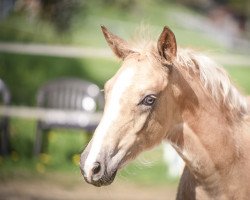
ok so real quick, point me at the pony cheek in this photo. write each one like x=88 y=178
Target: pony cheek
x=131 y=142
x=154 y=133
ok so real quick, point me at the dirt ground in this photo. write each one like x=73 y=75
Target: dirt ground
x=71 y=189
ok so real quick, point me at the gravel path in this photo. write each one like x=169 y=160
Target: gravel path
x=71 y=189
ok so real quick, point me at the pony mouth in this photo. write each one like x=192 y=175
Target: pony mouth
x=107 y=171
x=105 y=180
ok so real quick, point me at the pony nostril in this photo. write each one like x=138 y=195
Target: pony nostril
x=96 y=168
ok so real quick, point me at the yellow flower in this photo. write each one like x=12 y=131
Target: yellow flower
x=51 y=136
x=40 y=168
x=45 y=158
x=76 y=159
x=14 y=156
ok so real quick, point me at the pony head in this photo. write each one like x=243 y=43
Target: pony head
x=136 y=116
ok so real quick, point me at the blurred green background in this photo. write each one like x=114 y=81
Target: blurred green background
x=77 y=23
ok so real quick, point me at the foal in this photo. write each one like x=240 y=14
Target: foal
x=164 y=93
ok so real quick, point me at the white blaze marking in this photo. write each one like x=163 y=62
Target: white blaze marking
x=112 y=110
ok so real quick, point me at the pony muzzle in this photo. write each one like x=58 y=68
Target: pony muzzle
x=98 y=172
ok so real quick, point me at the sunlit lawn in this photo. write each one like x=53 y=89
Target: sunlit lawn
x=241 y=77
x=62 y=155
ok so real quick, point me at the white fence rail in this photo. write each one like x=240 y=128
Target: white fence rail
x=51 y=115
x=55 y=50
x=81 y=52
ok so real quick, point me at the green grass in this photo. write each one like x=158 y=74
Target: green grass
x=148 y=169
x=18 y=27
x=241 y=76
x=62 y=156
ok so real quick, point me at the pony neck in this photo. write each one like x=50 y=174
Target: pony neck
x=204 y=135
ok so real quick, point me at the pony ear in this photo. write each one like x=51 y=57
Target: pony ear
x=119 y=46
x=167 y=44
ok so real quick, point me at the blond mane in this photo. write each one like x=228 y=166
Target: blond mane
x=213 y=77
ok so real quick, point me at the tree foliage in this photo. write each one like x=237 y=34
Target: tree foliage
x=61 y=12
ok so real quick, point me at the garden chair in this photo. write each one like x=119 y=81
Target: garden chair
x=68 y=94
x=4 y=121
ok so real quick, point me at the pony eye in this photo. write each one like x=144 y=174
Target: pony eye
x=149 y=100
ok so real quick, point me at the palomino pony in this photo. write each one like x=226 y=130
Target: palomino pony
x=164 y=93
